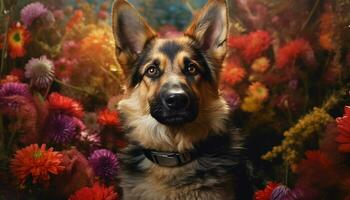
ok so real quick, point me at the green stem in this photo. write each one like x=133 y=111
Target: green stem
x=4 y=49
x=312 y=12
x=74 y=87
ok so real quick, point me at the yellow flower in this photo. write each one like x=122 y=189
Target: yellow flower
x=251 y=104
x=258 y=91
x=261 y=64
x=296 y=136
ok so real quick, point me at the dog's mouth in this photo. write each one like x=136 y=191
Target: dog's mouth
x=173 y=117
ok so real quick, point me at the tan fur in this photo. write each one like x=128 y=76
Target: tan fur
x=149 y=133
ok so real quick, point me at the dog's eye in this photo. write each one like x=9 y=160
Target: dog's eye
x=192 y=69
x=152 y=71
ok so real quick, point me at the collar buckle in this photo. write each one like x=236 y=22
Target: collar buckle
x=168 y=159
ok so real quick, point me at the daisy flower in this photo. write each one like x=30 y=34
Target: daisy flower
x=96 y=192
x=41 y=71
x=258 y=91
x=104 y=163
x=18 y=38
x=66 y=105
x=37 y=163
x=261 y=64
x=31 y=12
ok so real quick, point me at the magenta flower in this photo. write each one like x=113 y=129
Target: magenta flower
x=61 y=129
x=10 y=89
x=104 y=163
x=31 y=12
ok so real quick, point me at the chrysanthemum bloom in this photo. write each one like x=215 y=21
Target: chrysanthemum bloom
x=265 y=194
x=299 y=48
x=258 y=91
x=108 y=118
x=9 y=79
x=104 y=163
x=64 y=68
x=343 y=125
x=232 y=76
x=40 y=71
x=261 y=64
x=96 y=192
x=14 y=88
x=251 y=46
x=251 y=104
x=61 y=129
x=18 y=37
x=63 y=104
x=31 y=12
x=36 y=163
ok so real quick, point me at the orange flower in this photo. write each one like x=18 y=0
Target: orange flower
x=107 y=117
x=327 y=31
x=36 y=162
x=96 y=192
x=265 y=194
x=65 y=104
x=18 y=37
x=258 y=91
x=77 y=17
x=233 y=75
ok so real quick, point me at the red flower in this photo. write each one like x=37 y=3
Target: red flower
x=300 y=48
x=232 y=73
x=58 y=102
x=265 y=194
x=343 y=124
x=18 y=37
x=96 y=192
x=108 y=118
x=36 y=162
x=251 y=46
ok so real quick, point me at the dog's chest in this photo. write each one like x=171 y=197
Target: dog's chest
x=177 y=184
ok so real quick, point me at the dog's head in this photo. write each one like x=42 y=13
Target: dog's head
x=173 y=82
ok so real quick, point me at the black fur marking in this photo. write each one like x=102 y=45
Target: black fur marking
x=220 y=157
x=142 y=59
x=199 y=56
x=170 y=49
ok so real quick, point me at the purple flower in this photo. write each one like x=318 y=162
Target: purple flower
x=232 y=99
x=61 y=129
x=104 y=163
x=31 y=12
x=280 y=193
x=10 y=89
x=41 y=71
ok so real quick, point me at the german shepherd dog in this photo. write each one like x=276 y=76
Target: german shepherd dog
x=182 y=145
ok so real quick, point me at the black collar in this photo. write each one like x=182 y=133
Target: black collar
x=169 y=159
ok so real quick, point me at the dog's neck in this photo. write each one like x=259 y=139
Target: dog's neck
x=209 y=146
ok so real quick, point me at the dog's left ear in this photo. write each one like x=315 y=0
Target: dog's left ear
x=210 y=27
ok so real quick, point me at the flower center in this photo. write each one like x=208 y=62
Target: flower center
x=37 y=154
x=17 y=37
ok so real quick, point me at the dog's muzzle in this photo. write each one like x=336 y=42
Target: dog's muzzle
x=175 y=105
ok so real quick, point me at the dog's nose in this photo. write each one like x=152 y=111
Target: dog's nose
x=176 y=101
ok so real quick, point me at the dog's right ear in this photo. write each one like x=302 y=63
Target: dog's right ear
x=131 y=33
